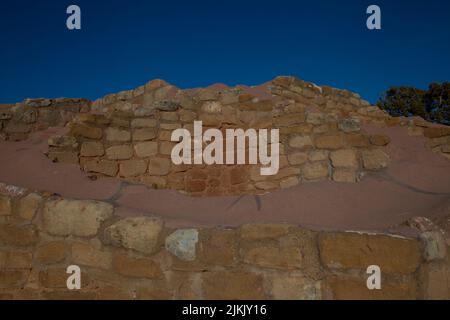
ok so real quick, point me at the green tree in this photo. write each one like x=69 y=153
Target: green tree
x=432 y=104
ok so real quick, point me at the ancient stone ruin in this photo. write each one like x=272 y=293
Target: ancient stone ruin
x=92 y=183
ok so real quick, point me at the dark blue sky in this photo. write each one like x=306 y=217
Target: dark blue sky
x=124 y=44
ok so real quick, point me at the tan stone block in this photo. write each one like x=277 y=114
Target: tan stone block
x=251 y=232
x=217 y=247
x=166 y=147
x=351 y=250
x=435 y=279
x=106 y=167
x=122 y=152
x=297 y=158
x=329 y=141
x=144 y=134
x=344 y=158
x=74 y=217
x=289 y=182
x=117 y=135
x=132 y=168
x=300 y=142
x=232 y=286
x=380 y=140
x=18 y=236
x=144 y=123
x=15 y=260
x=345 y=175
x=92 y=149
x=83 y=130
x=318 y=155
x=146 y=149
x=315 y=170
x=293 y=287
x=87 y=255
x=159 y=166
x=50 y=252
x=136 y=267
x=5 y=205
x=374 y=159
x=356 y=140
x=137 y=233
x=28 y=205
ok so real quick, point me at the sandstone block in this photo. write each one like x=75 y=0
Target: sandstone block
x=137 y=233
x=374 y=159
x=331 y=142
x=217 y=247
x=87 y=255
x=74 y=217
x=351 y=250
x=144 y=123
x=380 y=140
x=28 y=205
x=344 y=158
x=136 y=267
x=292 y=287
x=232 y=285
x=144 y=134
x=51 y=252
x=5 y=205
x=146 y=149
x=18 y=236
x=315 y=170
x=92 y=149
x=297 y=158
x=159 y=166
x=350 y=125
x=122 y=152
x=117 y=135
x=300 y=142
x=106 y=167
x=345 y=175
x=86 y=131
x=132 y=168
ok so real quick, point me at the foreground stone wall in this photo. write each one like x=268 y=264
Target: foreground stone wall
x=141 y=258
x=19 y=120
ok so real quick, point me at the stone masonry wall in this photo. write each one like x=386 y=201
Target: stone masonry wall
x=141 y=258
x=19 y=120
x=321 y=135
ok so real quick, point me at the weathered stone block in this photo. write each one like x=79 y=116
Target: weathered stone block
x=132 y=168
x=5 y=205
x=106 y=167
x=217 y=247
x=117 y=135
x=15 y=260
x=345 y=175
x=159 y=166
x=146 y=149
x=92 y=149
x=344 y=158
x=74 y=217
x=137 y=233
x=226 y=285
x=83 y=130
x=300 y=142
x=315 y=170
x=329 y=141
x=374 y=159
x=28 y=205
x=144 y=123
x=50 y=252
x=88 y=255
x=351 y=250
x=380 y=140
x=136 y=267
x=297 y=158
x=293 y=287
x=144 y=134
x=122 y=152
x=18 y=236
